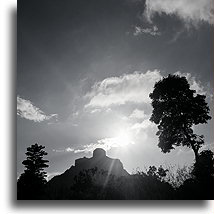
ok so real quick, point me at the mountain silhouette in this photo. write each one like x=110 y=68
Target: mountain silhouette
x=61 y=184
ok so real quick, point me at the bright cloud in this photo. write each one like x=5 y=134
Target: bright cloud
x=143 y=125
x=133 y=88
x=27 y=110
x=132 y=134
x=123 y=138
x=195 y=84
x=95 y=111
x=69 y=149
x=138 y=114
x=106 y=144
x=190 y=11
x=151 y=31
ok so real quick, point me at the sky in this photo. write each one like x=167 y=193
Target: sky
x=86 y=68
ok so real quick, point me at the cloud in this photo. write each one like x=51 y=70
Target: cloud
x=195 y=84
x=151 y=31
x=106 y=144
x=138 y=114
x=134 y=88
x=189 y=11
x=69 y=149
x=143 y=125
x=95 y=111
x=27 y=110
x=123 y=137
x=132 y=134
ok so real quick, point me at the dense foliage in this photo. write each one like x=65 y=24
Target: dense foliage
x=32 y=182
x=176 y=108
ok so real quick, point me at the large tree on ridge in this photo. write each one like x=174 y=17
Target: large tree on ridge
x=176 y=108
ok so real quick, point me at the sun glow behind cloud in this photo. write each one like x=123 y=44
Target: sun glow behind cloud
x=127 y=134
x=122 y=139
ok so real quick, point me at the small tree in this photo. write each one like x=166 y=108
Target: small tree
x=31 y=182
x=176 y=108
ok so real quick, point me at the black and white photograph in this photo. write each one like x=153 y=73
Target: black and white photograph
x=115 y=100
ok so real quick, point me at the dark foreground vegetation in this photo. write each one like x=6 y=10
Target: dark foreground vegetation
x=196 y=182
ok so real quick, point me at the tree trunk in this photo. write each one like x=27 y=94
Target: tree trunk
x=194 y=147
x=195 y=150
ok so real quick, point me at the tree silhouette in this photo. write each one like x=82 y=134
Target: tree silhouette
x=176 y=108
x=203 y=169
x=31 y=183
